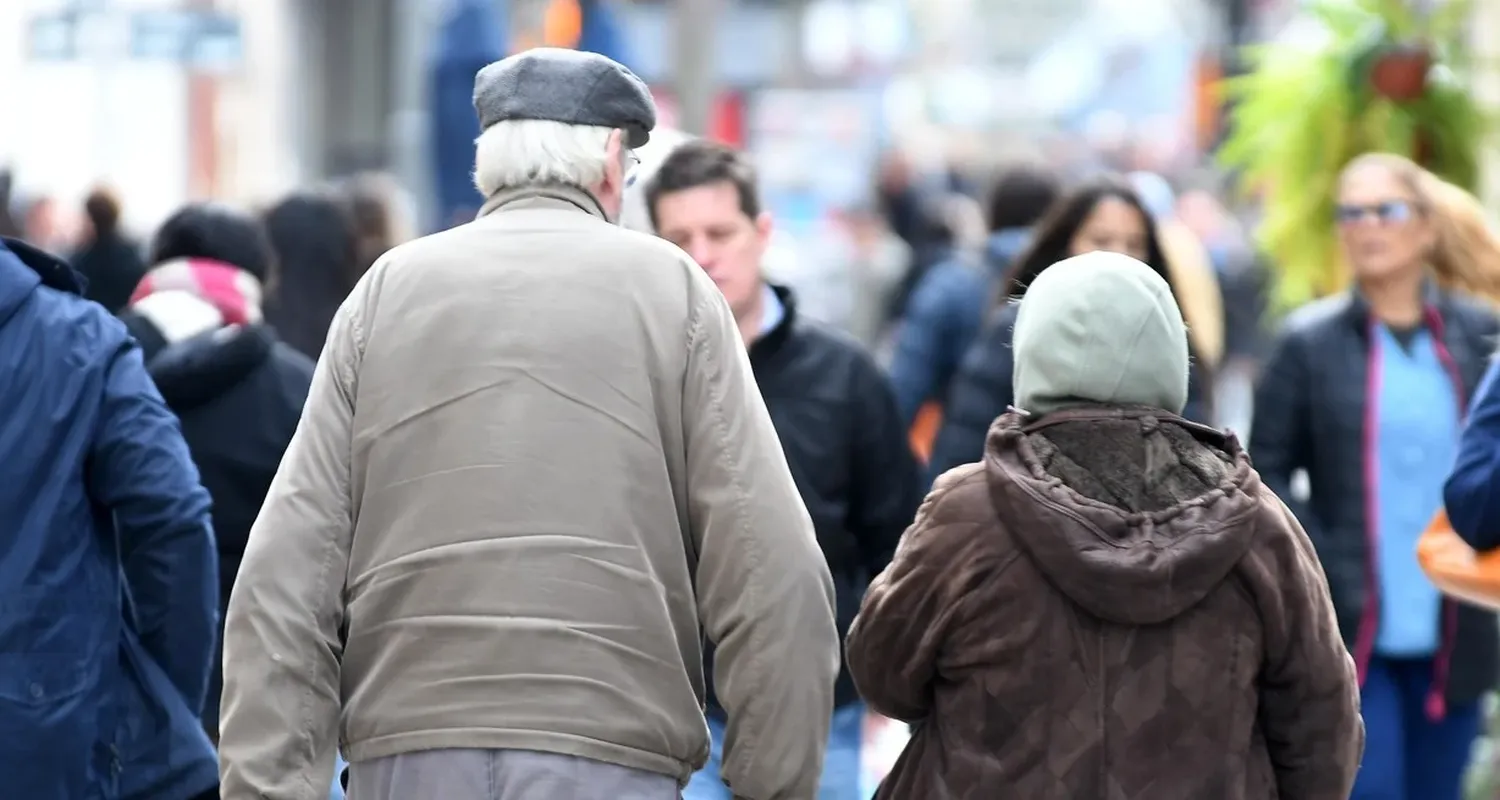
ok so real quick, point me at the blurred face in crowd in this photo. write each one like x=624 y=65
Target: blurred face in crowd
x=708 y=223
x=1382 y=226
x=1113 y=226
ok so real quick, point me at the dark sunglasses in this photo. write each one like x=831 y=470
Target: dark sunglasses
x=1389 y=212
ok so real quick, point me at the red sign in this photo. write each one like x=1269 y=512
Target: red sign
x=727 y=122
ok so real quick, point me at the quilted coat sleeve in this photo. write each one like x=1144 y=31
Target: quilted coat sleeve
x=894 y=649
x=1309 y=687
x=282 y=636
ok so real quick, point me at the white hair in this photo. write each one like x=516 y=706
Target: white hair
x=522 y=152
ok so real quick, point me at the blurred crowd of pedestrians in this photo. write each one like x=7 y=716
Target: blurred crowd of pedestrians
x=550 y=506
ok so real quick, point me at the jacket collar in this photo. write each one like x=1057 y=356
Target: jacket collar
x=1434 y=306
x=767 y=345
x=549 y=195
x=197 y=370
x=1031 y=423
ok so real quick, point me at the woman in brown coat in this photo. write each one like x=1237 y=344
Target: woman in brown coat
x=1111 y=605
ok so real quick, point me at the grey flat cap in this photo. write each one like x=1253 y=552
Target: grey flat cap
x=567 y=86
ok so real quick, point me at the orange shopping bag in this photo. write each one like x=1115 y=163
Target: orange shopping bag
x=1455 y=569
x=924 y=430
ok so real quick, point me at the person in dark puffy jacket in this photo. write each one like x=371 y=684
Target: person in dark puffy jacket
x=236 y=387
x=1104 y=215
x=107 y=562
x=946 y=309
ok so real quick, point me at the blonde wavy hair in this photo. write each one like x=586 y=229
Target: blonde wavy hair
x=1465 y=253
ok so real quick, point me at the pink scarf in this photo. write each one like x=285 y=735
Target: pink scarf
x=188 y=296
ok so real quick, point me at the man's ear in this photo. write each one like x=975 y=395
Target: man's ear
x=764 y=226
x=614 y=160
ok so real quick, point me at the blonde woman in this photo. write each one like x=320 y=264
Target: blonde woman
x=1366 y=392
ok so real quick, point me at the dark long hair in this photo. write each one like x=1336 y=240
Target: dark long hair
x=377 y=206
x=313 y=234
x=1055 y=233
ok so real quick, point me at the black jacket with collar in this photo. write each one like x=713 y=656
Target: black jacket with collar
x=836 y=416
x=1312 y=413
x=238 y=392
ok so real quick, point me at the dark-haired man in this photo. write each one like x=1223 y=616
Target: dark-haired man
x=832 y=407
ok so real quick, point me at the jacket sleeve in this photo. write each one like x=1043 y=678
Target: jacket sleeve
x=282 y=640
x=894 y=648
x=920 y=361
x=981 y=392
x=1281 y=434
x=142 y=472
x=1309 y=687
x=1470 y=497
x=887 y=487
x=765 y=594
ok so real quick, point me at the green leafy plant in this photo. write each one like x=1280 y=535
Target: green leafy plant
x=1380 y=78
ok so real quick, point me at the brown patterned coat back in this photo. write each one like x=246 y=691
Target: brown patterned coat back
x=1110 y=607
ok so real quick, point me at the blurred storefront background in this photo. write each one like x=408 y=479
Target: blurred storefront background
x=242 y=99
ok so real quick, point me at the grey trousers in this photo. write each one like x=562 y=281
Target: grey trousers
x=502 y=775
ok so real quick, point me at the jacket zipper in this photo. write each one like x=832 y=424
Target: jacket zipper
x=1364 y=646
x=1369 y=619
x=1437 y=696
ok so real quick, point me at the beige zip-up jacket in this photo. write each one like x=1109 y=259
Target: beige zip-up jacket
x=532 y=464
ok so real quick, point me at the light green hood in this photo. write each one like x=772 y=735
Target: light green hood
x=1100 y=328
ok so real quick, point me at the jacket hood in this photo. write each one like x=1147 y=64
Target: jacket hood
x=1100 y=328
x=197 y=370
x=23 y=268
x=1133 y=513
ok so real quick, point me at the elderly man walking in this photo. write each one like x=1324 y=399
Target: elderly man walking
x=533 y=470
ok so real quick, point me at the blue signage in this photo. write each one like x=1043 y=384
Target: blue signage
x=53 y=37
x=204 y=40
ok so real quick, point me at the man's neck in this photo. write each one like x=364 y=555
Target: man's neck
x=750 y=318
x=1397 y=300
